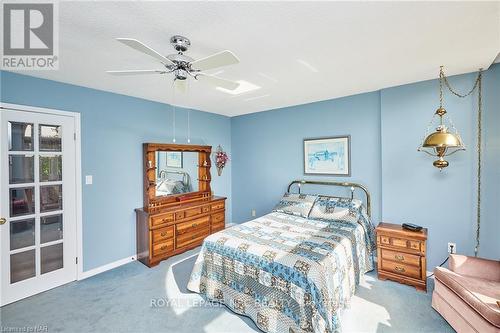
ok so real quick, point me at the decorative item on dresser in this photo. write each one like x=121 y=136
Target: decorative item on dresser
x=176 y=217
x=401 y=255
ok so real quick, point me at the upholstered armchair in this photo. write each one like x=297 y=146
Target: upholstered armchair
x=467 y=294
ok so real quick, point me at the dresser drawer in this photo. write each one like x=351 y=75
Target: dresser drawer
x=405 y=258
x=162 y=234
x=192 y=212
x=218 y=227
x=163 y=247
x=401 y=269
x=218 y=217
x=192 y=237
x=158 y=220
x=218 y=205
x=179 y=215
x=191 y=226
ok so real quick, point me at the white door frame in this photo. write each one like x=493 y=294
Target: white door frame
x=78 y=170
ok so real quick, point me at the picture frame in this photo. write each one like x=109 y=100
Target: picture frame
x=328 y=156
x=174 y=159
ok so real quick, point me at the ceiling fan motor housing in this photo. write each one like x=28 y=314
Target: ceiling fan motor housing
x=180 y=43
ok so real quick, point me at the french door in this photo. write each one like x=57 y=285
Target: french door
x=38 y=243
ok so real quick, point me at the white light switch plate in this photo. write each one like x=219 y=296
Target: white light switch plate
x=88 y=180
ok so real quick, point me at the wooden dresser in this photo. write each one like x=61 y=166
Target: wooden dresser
x=401 y=255
x=177 y=229
x=173 y=222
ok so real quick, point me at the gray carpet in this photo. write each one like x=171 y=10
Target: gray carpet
x=133 y=298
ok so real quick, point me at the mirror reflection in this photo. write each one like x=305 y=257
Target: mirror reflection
x=176 y=172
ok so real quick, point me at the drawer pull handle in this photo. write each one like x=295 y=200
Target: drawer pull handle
x=399 y=269
x=163 y=234
x=399 y=257
x=195 y=224
x=164 y=247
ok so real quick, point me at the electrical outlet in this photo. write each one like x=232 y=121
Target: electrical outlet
x=253 y=213
x=452 y=248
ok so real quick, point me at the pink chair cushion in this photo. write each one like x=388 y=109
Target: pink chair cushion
x=480 y=294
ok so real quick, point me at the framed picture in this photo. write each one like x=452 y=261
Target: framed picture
x=174 y=159
x=328 y=156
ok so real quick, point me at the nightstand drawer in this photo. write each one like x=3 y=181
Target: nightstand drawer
x=405 y=258
x=401 y=243
x=401 y=269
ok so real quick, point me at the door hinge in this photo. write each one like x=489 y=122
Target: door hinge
x=74 y=136
x=76 y=260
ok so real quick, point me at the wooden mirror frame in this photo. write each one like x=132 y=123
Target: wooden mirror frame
x=153 y=203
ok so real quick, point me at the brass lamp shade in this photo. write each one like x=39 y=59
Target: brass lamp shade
x=441 y=142
x=442 y=139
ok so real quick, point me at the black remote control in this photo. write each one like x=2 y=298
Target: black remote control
x=411 y=227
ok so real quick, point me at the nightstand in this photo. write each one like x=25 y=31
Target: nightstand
x=401 y=255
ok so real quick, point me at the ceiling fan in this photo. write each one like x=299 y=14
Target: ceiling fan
x=181 y=65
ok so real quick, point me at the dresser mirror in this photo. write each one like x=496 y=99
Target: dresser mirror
x=174 y=173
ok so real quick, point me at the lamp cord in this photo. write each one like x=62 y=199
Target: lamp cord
x=478 y=85
x=444 y=262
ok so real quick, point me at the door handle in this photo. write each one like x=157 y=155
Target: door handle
x=2 y=220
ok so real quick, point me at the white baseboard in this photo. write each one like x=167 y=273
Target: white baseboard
x=104 y=268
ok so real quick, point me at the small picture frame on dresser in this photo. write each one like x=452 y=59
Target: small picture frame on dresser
x=401 y=255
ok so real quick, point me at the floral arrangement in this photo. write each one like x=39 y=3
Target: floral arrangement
x=221 y=159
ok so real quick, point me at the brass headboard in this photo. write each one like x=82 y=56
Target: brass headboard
x=343 y=184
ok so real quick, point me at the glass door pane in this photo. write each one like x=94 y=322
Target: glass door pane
x=20 y=136
x=22 y=233
x=50 y=138
x=22 y=266
x=21 y=169
x=22 y=201
x=50 y=168
x=50 y=198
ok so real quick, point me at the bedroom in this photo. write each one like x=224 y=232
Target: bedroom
x=125 y=196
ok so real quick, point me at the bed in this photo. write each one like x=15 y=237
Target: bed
x=293 y=270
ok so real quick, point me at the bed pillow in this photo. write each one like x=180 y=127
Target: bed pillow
x=335 y=209
x=295 y=204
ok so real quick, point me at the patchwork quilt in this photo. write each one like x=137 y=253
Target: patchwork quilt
x=287 y=273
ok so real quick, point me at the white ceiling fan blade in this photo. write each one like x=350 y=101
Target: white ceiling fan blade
x=136 y=72
x=220 y=59
x=135 y=44
x=181 y=86
x=217 y=81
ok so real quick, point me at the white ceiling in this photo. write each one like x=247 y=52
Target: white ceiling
x=297 y=52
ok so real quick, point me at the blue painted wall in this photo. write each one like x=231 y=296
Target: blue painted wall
x=113 y=129
x=490 y=229
x=268 y=149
